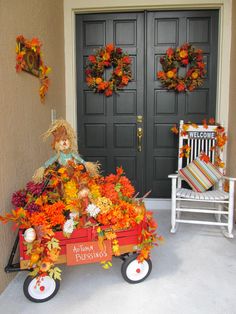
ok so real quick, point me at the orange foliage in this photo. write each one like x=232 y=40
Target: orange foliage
x=204 y=157
x=184 y=151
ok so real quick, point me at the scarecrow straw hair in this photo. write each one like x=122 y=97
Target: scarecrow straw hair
x=70 y=132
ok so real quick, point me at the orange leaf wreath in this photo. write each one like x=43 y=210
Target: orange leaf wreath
x=105 y=58
x=173 y=60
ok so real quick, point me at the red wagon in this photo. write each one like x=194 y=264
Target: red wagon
x=82 y=240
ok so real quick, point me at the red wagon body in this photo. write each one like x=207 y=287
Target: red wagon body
x=128 y=241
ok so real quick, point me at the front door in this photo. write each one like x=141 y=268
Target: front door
x=108 y=126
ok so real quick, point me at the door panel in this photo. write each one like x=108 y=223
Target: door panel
x=107 y=126
x=164 y=108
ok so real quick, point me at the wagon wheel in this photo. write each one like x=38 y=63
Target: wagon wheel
x=135 y=272
x=43 y=292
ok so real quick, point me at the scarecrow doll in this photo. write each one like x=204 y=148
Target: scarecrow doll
x=65 y=145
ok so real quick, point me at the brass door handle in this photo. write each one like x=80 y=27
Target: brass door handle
x=139 y=136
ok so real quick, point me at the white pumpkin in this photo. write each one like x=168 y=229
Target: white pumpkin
x=30 y=235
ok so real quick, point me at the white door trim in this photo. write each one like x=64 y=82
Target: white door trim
x=71 y=7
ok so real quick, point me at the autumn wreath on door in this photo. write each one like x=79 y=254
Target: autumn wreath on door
x=108 y=57
x=185 y=56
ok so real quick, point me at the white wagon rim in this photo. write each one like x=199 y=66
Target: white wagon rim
x=136 y=271
x=44 y=290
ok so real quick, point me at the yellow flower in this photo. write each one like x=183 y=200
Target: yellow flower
x=106 y=56
x=115 y=248
x=62 y=170
x=17 y=48
x=194 y=75
x=183 y=54
x=98 y=80
x=170 y=74
x=103 y=203
x=95 y=191
x=71 y=190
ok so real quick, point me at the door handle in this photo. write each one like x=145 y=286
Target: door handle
x=139 y=136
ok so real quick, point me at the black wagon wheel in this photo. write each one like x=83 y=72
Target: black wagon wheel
x=135 y=272
x=42 y=292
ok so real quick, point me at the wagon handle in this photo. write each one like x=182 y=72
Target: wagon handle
x=10 y=266
x=142 y=198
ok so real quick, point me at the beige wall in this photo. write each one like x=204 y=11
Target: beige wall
x=231 y=153
x=22 y=117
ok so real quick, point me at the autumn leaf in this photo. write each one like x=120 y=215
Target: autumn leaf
x=17 y=216
x=115 y=248
x=226 y=186
x=194 y=125
x=106 y=265
x=100 y=242
x=29 y=248
x=55 y=273
x=220 y=129
x=110 y=235
x=184 y=151
x=204 y=157
x=119 y=171
x=34 y=272
x=117 y=187
x=204 y=122
x=174 y=129
x=219 y=163
x=53 y=244
x=211 y=121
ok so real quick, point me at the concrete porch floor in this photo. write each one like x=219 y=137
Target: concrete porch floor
x=194 y=271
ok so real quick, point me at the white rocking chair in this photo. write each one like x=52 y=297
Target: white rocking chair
x=216 y=201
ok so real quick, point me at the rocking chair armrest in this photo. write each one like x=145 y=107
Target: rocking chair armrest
x=173 y=176
x=228 y=178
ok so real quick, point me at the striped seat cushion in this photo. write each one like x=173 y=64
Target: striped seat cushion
x=200 y=175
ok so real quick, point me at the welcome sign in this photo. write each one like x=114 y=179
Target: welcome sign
x=88 y=252
x=201 y=135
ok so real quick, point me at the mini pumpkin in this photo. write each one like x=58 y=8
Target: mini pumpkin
x=29 y=235
x=34 y=258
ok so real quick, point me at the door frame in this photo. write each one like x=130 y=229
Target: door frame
x=73 y=7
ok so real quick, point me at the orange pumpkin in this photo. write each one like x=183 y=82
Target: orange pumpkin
x=34 y=258
x=140 y=209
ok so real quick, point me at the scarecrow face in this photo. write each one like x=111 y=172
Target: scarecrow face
x=61 y=141
x=64 y=145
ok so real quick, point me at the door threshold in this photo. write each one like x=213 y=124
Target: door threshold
x=157 y=203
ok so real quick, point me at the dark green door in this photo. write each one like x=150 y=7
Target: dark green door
x=107 y=126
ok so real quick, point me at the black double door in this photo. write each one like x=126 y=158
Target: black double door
x=132 y=127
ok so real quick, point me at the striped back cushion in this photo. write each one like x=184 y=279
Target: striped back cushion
x=200 y=175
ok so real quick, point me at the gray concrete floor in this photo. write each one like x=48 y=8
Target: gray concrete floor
x=194 y=271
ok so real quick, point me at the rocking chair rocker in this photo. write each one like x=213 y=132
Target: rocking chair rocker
x=215 y=201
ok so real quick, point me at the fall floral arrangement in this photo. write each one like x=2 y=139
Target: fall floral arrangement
x=220 y=140
x=105 y=58
x=184 y=56
x=69 y=197
x=29 y=58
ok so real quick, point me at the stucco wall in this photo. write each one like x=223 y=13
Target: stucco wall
x=231 y=153
x=23 y=118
